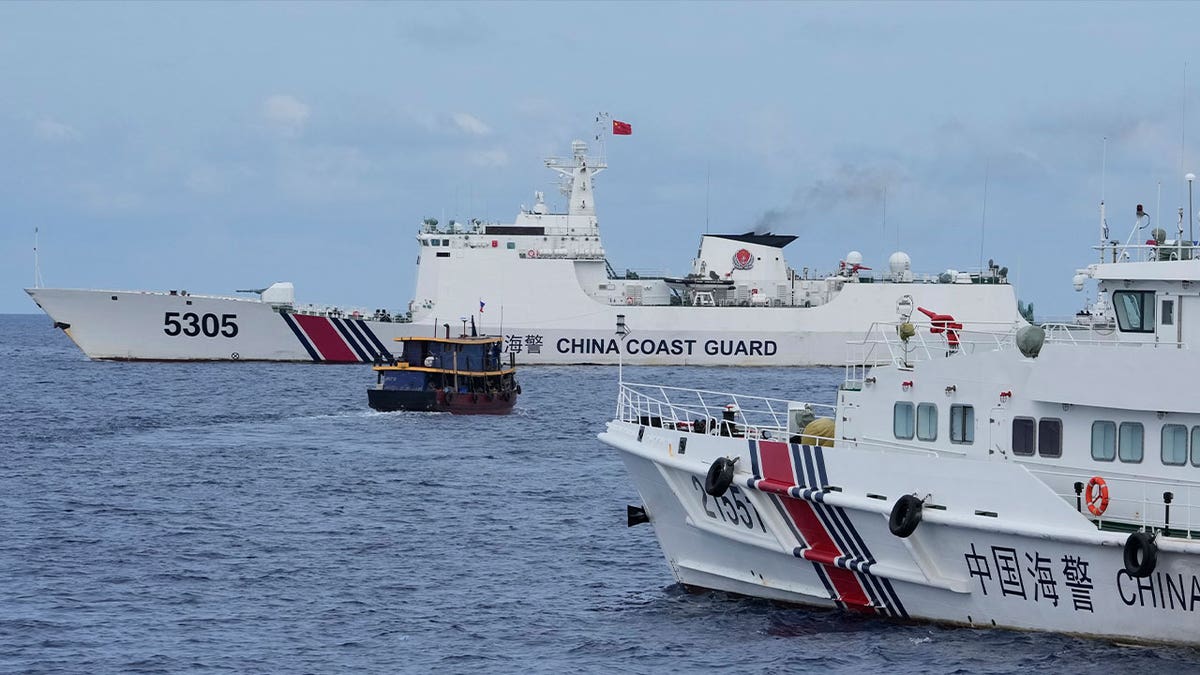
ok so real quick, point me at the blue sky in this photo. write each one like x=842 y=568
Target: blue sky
x=216 y=146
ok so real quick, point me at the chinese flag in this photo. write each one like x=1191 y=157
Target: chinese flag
x=622 y=128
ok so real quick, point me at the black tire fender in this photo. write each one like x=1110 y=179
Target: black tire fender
x=720 y=477
x=1141 y=555
x=906 y=516
x=449 y=397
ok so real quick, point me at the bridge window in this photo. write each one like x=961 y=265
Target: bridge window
x=1104 y=441
x=1135 y=311
x=1049 y=437
x=512 y=245
x=902 y=420
x=1024 y=431
x=1195 y=446
x=927 y=422
x=1129 y=442
x=1174 y=444
x=962 y=424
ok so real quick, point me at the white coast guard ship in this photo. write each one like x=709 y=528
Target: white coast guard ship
x=548 y=288
x=1042 y=481
x=741 y=303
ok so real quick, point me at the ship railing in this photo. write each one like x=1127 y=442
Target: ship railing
x=709 y=412
x=1083 y=334
x=1114 y=251
x=564 y=254
x=333 y=311
x=883 y=345
x=1169 y=506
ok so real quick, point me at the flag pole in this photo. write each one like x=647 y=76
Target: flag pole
x=603 y=126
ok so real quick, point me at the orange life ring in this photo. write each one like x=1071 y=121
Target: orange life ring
x=1097 y=501
x=532 y=253
x=629 y=299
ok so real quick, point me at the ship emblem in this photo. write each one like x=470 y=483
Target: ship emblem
x=743 y=259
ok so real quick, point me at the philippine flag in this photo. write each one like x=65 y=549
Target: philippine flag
x=481 y=306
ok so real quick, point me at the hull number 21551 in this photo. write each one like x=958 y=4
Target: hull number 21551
x=192 y=324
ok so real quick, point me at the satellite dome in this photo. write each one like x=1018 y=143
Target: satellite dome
x=854 y=258
x=899 y=263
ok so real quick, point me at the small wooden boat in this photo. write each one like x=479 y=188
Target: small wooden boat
x=463 y=375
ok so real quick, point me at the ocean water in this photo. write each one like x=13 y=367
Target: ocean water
x=254 y=518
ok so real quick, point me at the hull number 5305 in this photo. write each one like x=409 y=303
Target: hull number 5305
x=192 y=324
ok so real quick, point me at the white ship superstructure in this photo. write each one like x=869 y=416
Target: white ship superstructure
x=544 y=282
x=547 y=281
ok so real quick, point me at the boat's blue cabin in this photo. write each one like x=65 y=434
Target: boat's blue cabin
x=463 y=354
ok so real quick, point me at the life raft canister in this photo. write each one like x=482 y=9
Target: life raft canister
x=1097 y=499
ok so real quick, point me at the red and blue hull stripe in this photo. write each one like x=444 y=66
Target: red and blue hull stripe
x=795 y=478
x=336 y=340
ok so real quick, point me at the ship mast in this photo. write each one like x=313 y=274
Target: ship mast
x=576 y=186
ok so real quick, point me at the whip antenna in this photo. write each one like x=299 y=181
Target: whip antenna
x=37 y=265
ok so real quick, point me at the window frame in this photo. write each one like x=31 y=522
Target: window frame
x=917 y=424
x=1141 y=446
x=1166 y=311
x=912 y=420
x=1113 y=426
x=1162 y=450
x=1041 y=435
x=966 y=420
x=1146 y=323
x=1032 y=436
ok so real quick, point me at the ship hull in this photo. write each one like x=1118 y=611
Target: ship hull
x=564 y=327
x=391 y=400
x=810 y=525
x=157 y=326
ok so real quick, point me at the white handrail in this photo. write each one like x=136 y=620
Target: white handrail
x=709 y=412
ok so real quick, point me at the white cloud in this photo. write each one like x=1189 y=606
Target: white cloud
x=53 y=131
x=490 y=158
x=471 y=124
x=286 y=114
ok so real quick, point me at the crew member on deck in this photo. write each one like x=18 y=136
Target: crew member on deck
x=728 y=426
